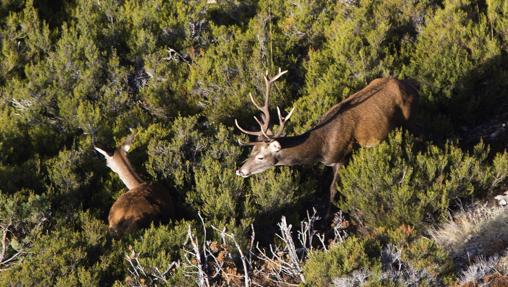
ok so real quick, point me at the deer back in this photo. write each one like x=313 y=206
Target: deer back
x=391 y=105
x=365 y=117
x=138 y=207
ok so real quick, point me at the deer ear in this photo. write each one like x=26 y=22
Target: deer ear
x=274 y=146
x=103 y=152
x=126 y=147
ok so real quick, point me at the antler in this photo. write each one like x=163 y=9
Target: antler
x=282 y=122
x=264 y=123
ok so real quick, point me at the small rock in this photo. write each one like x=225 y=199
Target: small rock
x=502 y=199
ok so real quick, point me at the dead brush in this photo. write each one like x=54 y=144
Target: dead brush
x=223 y=262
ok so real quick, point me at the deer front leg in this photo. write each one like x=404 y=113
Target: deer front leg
x=333 y=184
x=333 y=187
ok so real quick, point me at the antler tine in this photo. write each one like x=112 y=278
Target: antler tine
x=241 y=143
x=282 y=121
x=281 y=73
x=279 y=114
x=268 y=84
x=289 y=114
x=265 y=109
x=261 y=125
x=254 y=102
x=246 y=131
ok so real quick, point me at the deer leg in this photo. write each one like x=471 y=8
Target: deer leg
x=333 y=187
x=333 y=184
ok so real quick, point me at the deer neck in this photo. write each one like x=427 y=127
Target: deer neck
x=299 y=150
x=120 y=164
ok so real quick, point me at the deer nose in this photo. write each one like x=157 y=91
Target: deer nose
x=239 y=172
x=113 y=232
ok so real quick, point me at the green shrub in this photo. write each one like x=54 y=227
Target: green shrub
x=397 y=257
x=84 y=72
x=401 y=185
x=62 y=258
x=16 y=177
x=277 y=36
x=218 y=192
x=70 y=175
x=362 y=42
x=174 y=152
x=23 y=217
x=497 y=12
x=343 y=258
x=454 y=55
x=281 y=191
x=155 y=250
x=27 y=39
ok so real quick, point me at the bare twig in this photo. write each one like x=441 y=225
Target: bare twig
x=242 y=257
x=210 y=262
x=153 y=274
x=202 y=276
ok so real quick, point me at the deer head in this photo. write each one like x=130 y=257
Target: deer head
x=266 y=147
x=118 y=162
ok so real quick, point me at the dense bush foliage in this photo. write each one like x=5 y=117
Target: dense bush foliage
x=78 y=73
x=387 y=258
x=400 y=185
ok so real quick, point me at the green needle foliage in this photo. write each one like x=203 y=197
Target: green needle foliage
x=402 y=185
x=74 y=74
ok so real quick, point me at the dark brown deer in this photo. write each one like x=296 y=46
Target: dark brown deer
x=142 y=204
x=364 y=118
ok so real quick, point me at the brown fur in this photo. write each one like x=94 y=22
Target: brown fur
x=364 y=118
x=139 y=207
x=143 y=204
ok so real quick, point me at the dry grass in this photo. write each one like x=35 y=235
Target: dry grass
x=488 y=273
x=479 y=231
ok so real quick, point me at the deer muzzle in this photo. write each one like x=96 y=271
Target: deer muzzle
x=241 y=173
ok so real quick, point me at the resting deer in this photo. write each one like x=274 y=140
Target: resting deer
x=364 y=118
x=142 y=204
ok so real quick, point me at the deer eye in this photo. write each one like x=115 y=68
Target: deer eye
x=260 y=157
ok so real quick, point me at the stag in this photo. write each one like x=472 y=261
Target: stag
x=142 y=204
x=364 y=118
